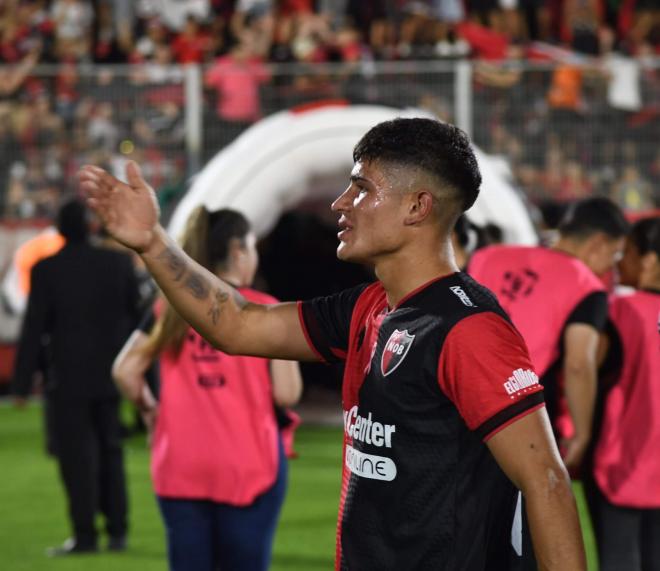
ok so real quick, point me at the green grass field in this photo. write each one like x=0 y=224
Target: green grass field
x=33 y=512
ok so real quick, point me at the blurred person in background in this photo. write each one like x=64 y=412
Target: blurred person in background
x=637 y=246
x=625 y=501
x=218 y=463
x=556 y=299
x=632 y=192
x=83 y=304
x=236 y=78
x=73 y=21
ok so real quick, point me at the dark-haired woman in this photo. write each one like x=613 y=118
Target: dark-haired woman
x=218 y=465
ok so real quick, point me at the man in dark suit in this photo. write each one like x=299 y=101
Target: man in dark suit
x=83 y=304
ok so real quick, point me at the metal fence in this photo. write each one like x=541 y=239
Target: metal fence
x=565 y=130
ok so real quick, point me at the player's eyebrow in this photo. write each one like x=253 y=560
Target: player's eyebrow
x=357 y=178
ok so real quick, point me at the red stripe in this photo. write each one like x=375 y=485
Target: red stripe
x=512 y=420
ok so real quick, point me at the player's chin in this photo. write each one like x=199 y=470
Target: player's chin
x=348 y=253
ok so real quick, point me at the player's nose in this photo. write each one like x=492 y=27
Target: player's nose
x=342 y=202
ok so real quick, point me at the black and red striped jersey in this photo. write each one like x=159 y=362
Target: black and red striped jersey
x=426 y=383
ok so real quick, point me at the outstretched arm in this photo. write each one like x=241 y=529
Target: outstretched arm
x=526 y=452
x=215 y=309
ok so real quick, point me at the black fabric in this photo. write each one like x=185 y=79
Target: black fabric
x=449 y=506
x=91 y=464
x=84 y=302
x=328 y=321
x=592 y=310
x=627 y=537
x=507 y=414
x=147 y=322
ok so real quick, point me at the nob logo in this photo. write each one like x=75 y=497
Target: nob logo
x=395 y=351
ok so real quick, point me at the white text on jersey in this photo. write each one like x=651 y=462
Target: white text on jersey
x=364 y=429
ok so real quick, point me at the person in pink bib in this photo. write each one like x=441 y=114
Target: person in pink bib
x=626 y=464
x=556 y=299
x=218 y=463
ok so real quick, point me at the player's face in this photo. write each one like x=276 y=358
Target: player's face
x=606 y=255
x=370 y=215
x=630 y=265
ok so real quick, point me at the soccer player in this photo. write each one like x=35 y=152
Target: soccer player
x=626 y=459
x=559 y=305
x=443 y=413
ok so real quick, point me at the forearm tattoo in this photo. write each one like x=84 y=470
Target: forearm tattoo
x=175 y=263
x=197 y=286
x=220 y=298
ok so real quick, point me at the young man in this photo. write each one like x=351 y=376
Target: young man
x=559 y=305
x=626 y=512
x=443 y=414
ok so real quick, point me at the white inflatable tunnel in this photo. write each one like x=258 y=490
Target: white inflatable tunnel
x=268 y=169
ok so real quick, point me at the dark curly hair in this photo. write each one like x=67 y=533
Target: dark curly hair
x=586 y=217
x=440 y=149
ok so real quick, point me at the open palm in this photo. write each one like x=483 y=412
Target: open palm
x=129 y=212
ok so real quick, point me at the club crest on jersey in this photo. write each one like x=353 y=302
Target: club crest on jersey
x=395 y=351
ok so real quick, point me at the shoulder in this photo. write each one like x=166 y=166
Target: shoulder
x=43 y=267
x=463 y=296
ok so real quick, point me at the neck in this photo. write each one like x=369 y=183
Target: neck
x=570 y=247
x=652 y=283
x=403 y=272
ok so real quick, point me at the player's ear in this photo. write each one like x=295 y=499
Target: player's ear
x=419 y=207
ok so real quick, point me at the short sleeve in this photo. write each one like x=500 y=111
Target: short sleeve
x=326 y=322
x=486 y=371
x=147 y=322
x=592 y=310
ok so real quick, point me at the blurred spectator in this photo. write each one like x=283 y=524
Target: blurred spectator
x=175 y=13
x=632 y=192
x=146 y=46
x=73 y=28
x=236 y=78
x=102 y=130
x=192 y=44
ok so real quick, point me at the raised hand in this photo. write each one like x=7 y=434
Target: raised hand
x=129 y=212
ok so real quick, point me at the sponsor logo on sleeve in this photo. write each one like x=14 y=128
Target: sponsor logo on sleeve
x=395 y=351
x=520 y=382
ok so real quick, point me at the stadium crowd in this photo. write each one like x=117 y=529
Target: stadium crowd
x=58 y=111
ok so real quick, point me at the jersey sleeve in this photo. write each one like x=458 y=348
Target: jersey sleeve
x=326 y=322
x=486 y=371
x=592 y=310
x=147 y=321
